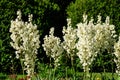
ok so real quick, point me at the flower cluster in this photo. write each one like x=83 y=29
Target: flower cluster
x=70 y=37
x=117 y=54
x=105 y=34
x=93 y=38
x=86 y=43
x=52 y=46
x=25 y=39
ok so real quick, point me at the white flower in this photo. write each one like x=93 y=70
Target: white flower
x=70 y=37
x=17 y=55
x=19 y=15
x=93 y=38
x=25 y=39
x=117 y=54
x=52 y=46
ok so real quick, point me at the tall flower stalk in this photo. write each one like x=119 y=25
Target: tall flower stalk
x=93 y=38
x=117 y=54
x=70 y=38
x=52 y=46
x=25 y=40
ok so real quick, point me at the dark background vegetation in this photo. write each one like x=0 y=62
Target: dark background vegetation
x=53 y=13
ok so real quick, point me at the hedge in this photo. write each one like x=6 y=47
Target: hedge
x=93 y=8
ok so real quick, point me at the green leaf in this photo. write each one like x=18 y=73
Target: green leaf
x=1 y=42
x=118 y=78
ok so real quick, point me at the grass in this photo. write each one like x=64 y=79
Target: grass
x=62 y=73
x=63 y=76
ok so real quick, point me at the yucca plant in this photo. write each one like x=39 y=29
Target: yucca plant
x=25 y=40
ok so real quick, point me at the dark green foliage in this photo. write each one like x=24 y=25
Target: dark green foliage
x=8 y=8
x=93 y=8
x=3 y=76
x=104 y=62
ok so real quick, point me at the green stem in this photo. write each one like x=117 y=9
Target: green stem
x=74 y=73
x=72 y=61
x=66 y=74
x=54 y=73
x=112 y=70
x=49 y=74
x=91 y=73
x=86 y=73
x=50 y=63
x=22 y=67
